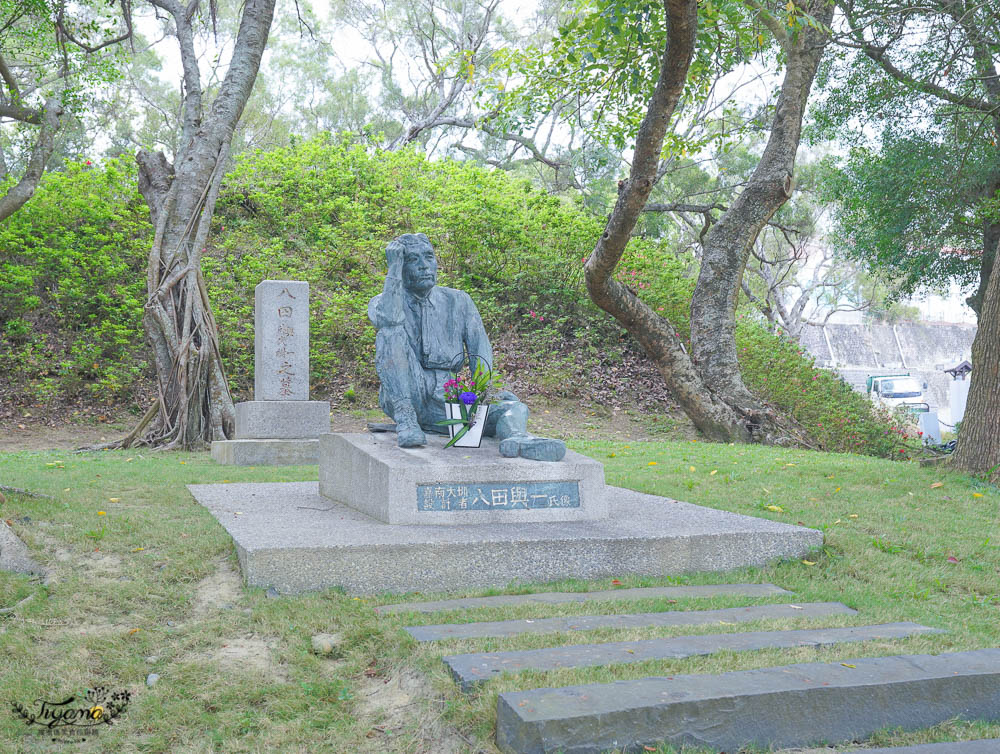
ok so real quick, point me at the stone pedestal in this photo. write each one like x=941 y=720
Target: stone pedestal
x=282 y=425
x=290 y=537
x=282 y=420
x=434 y=485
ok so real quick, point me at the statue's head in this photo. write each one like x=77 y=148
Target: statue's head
x=419 y=263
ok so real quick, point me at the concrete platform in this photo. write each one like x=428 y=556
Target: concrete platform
x=290 y=537
x=265 y=452
x=472 y=669
x=785 y=706
x=442 y=486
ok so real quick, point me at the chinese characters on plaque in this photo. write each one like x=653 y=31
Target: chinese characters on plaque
x=282 y=341
x=462 y=496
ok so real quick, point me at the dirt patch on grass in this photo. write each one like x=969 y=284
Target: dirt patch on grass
x=565 y=419
x=244 y=654
x=402 y=716
x=218 y=591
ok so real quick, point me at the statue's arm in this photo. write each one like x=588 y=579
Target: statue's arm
x=386 y=309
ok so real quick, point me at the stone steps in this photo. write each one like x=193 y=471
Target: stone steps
x=792 y=705
x=808 y=704
x=472 y=669
x=728 y=615
x=555 y=598
x=982 y=746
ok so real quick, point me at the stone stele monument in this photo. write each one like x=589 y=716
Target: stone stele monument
x=425 y=333
x=281 y=425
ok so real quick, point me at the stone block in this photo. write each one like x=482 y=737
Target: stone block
x=281 y=341
x=14 y=554
x=981 y=746
x=292 y=538
x=265 y=452
x=282 y=420
x=438 y=486
x=785 y=706
x=475 y=668
x=485 y=629
x=606 y=595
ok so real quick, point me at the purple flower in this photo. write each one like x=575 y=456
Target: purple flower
x=468 y=398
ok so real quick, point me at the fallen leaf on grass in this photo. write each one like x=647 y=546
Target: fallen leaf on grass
x=713 y=472
x=936 y=485
x=808 y=562
x=853 y=515
x=114 y=499
x=134 y=631
x=977 y=494
x=776 y=508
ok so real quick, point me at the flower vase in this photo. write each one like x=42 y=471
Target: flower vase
x=474 y=436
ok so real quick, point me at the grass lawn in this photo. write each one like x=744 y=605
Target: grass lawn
x=145 y=581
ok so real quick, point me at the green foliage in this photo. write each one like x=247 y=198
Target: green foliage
x=836 y=417
x=72 y=266
x=72 y=284
x=913 y=212
x=322 y=211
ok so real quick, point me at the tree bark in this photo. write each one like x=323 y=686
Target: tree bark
x=718 y=403
x=727 y=246
x=49 y=119
x=978 y=448
x=195 y=406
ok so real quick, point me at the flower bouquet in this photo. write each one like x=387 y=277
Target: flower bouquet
x=467 y=404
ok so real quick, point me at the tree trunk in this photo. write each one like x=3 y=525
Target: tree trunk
x=720 y=406
x=195 y=406
x=978 y=449
x=728 y=244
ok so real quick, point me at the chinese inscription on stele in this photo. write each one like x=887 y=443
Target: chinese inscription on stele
x=281 y=340
x=283 y=354
x=463 y=496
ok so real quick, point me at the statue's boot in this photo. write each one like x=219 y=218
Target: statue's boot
x=532 y=448
x=408 y=432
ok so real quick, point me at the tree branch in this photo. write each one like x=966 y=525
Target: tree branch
x=23 y=190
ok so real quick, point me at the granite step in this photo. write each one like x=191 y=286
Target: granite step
x=792 y=705
x=471 y=669
x=982 y=746
x=557 y=598
x=726 y=615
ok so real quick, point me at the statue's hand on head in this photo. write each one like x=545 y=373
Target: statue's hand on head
x=395 y=254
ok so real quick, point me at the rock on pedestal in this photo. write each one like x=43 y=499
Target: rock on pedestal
x=282 y=425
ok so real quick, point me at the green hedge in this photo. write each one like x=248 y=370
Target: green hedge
x=72 y=280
